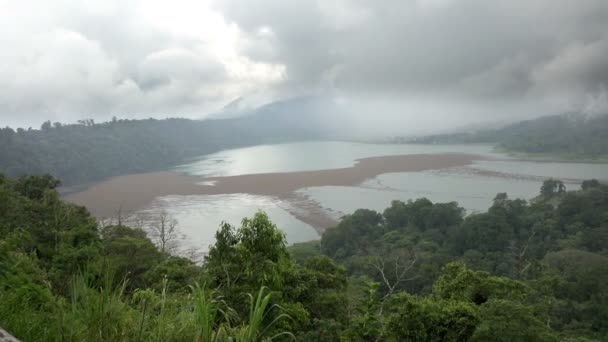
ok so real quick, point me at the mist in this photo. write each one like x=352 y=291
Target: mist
x=409 y=66
x=307 y=170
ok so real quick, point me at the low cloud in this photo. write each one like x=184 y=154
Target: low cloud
x=472 y=53
x=419 y=60
x=69 y=60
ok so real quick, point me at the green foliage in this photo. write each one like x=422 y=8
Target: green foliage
x=24 y=296
x=460 y=283
x=426 y=319
x=324 y=290
x=366 y=324
x=552 y=188
x=247 y=258
x=256 y=255
x=255 y=329
x=420 y=271
x=34 y=187
x=300 y=252
x=545 y=258
x=130 y=253
x=207 y=310
x=89 y=151
x=175 y=271
x=352 y=234
x=96 y=314
x=504 y=320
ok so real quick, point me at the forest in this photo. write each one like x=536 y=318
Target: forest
x=567 y=136
x=419 y=271
x=88 y=151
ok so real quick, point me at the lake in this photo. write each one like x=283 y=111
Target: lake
x=473 y=186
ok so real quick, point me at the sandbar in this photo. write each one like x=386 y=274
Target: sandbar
x=133 y=192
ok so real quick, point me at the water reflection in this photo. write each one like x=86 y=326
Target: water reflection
x=473 y=187
x=472 y=192
x=305 y=156
x=199 y=217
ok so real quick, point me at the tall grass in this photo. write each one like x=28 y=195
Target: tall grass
x=254 y=330
x=93 y=312
x=212 y=322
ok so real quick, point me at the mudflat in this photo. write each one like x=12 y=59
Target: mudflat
x=132 y=192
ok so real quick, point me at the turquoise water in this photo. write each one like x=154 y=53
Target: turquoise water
x=200 y=216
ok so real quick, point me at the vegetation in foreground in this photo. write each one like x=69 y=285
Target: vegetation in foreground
x=419 y=271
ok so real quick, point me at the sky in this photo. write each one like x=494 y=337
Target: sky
x=421 y=63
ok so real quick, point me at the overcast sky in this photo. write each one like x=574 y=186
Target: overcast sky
x=424 y=60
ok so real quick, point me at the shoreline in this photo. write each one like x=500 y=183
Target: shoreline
x=132 y=192
x=550 y=157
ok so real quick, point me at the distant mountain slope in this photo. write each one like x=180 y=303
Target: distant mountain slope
x=569 y=135
x=294 y=119
x=89 y=151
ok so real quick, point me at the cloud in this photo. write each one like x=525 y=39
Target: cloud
x=576 y=77
x=69 y=60
x=522 y=53
x=467 y=59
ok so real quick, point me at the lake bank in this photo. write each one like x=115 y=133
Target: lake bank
x=554 y=157
x=132 y=192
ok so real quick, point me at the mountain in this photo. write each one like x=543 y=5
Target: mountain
x=88 y=151
x=300 y=118
x=235 y=108
x=571 y=136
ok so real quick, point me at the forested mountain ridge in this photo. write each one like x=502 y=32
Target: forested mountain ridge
x=419 y=271
x=89 y=151
x=86 y=152
x=571 y=136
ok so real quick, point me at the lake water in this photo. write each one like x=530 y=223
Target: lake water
x=473 y=187
x=305 y=156
x=199 y=217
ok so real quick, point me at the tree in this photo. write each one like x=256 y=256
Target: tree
x=46 y=125
x=322 y=286
x=552 y=187
x=519 y=252
x=394 y=268
x=367 y=324
x=425 y=319
x=460 y=283
x=130 y=253
x=244 y=259
x=35 y=186
x=164 y=232
x=504 y=320
x=590 y=183
x=352 y=235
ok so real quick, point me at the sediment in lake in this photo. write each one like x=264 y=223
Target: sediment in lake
x=133 y=192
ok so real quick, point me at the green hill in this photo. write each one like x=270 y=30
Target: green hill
x=568 y=136
x=88 y=151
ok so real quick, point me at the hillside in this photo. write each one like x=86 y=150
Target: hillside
x=569 y=136
x=419 y=271
x=89 y=151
